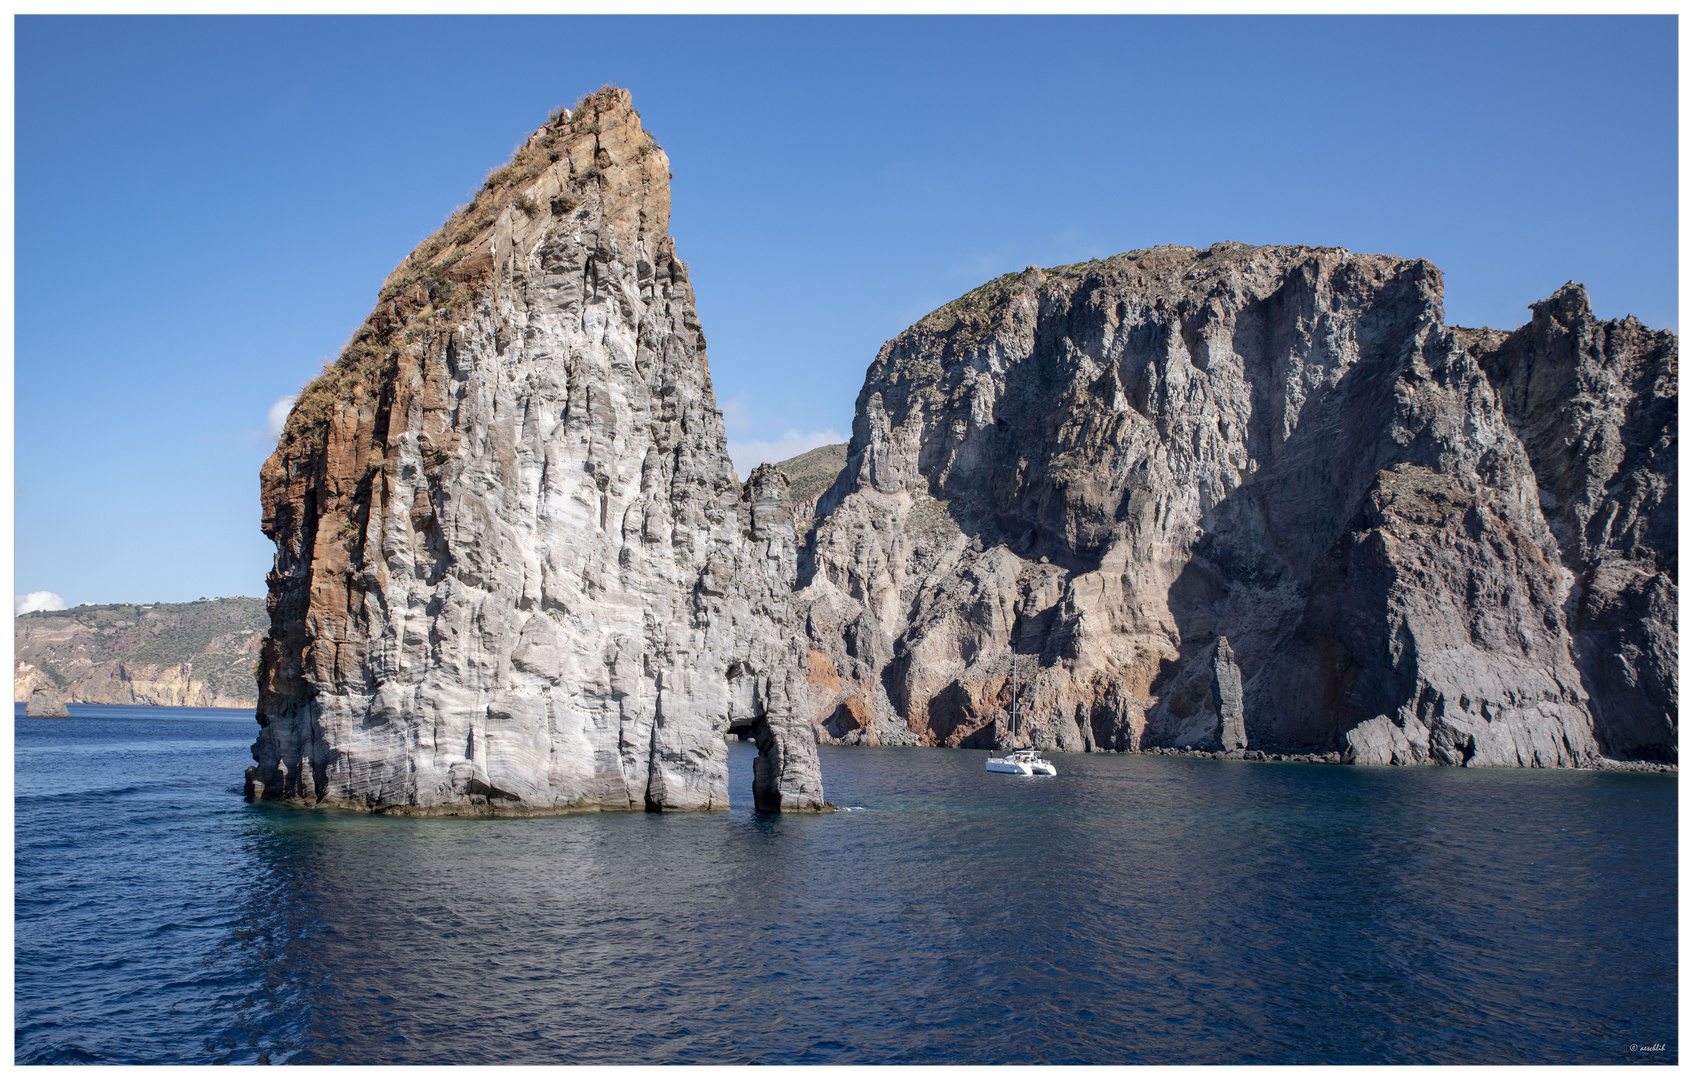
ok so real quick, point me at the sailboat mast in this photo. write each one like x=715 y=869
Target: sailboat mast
x=1013 y=700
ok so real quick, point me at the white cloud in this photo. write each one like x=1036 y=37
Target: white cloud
x=735 y=413
x=37 y=601
x=748 y=454
x=278 y=415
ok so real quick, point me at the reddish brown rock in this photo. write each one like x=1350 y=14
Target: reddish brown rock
x=514 y=570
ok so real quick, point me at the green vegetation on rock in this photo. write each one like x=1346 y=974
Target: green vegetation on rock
x=810 y=474
x=198 y=654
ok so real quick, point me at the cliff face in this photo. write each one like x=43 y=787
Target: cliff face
x=1455 y=545
x=514 y=571
x=1594 y=404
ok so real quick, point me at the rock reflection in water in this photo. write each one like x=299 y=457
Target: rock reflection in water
x=1132 y=909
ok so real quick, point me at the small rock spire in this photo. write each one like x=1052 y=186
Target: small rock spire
x=1226 y=692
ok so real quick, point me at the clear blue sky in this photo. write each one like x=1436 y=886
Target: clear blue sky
x=206 y=207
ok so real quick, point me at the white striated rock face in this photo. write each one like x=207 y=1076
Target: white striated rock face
x=515 y=572
x=1465 y=536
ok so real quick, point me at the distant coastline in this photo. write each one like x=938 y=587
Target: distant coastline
x=198 y=654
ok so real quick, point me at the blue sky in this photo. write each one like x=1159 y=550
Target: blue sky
x=206 y=207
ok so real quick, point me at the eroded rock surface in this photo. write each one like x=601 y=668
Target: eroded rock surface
x=1594 y=404
x=515 y=572
x=1227 y=699
x=45 y=701
x=1423 y=543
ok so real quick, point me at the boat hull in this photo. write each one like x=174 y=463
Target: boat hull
x=1021 y=768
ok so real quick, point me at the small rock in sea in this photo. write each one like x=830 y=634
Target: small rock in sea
x=45 y=701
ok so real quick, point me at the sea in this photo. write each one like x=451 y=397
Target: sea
x=1132 y=909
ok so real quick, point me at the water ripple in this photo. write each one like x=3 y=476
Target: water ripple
x=1129 y=910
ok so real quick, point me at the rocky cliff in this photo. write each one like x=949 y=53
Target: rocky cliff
x=44 y=701
x=200 y=653
x=515 y=572
x=1256 y=495
x=809 y=476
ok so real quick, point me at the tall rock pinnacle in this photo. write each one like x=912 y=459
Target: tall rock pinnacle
x=514 y=570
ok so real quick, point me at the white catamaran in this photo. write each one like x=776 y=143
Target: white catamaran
x=1022 y=760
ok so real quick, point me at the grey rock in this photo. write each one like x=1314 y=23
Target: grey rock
x=1108 y=467
x=515 y=572
x=1226 y=697
x=1594 y=403
x=1440 y=608
x=45 y=701
x=1380 y=741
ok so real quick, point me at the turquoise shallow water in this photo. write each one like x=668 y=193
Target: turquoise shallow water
x=1132 y=909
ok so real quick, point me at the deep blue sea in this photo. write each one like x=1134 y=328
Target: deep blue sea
x=1132 y=909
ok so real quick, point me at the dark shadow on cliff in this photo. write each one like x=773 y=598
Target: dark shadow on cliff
x=1271 y=532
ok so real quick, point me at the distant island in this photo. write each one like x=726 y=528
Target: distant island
x=199 y=654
